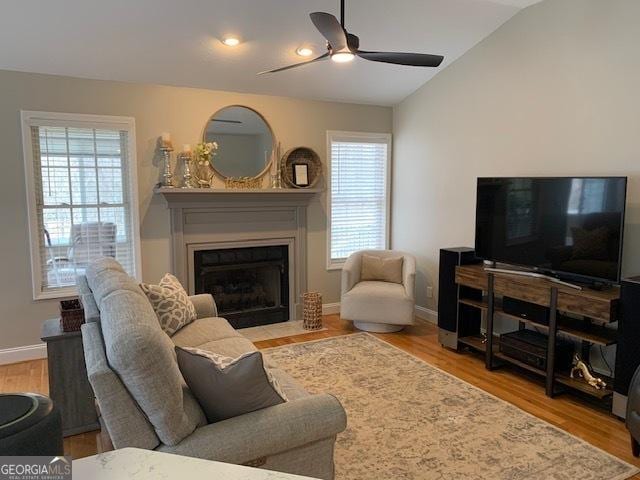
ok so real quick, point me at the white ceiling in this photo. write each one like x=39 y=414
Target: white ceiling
x=174 y=42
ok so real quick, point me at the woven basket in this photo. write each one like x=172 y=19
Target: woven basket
x=71 y=315
x=312 y=311
x=305 y=156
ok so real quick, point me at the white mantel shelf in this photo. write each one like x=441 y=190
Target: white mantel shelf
x=180 y=196
x=236 y=191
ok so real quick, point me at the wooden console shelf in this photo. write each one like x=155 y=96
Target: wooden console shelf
x=596 y=304
x=580 y=314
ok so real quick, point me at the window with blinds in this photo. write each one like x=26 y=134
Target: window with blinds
x=80 y=177
x=359 y=194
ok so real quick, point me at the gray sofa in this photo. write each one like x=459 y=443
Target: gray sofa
x=145 y=403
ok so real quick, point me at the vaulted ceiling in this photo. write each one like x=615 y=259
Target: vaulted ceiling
x=175 y=42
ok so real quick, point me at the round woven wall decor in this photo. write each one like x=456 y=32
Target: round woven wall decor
x=305 y=156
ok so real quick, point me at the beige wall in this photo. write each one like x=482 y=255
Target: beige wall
x=554 y=91
x=156 y=109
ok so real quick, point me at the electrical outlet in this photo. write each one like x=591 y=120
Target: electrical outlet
x=429 y=292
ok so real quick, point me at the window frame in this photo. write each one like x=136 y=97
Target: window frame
x=340 y=135
x=72 y=120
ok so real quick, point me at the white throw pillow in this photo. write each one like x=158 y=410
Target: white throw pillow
x=171 y=303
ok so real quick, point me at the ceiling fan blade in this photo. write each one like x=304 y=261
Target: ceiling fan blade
x=330 y=29
x=321 y=57
x=412 y=59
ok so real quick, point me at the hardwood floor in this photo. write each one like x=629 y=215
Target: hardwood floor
x=567 y=412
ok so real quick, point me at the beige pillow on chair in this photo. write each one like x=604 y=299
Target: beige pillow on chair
x=381 y=269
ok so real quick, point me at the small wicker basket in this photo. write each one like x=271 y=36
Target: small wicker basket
x=71 y=315
x=312 y=311
x=301 y=155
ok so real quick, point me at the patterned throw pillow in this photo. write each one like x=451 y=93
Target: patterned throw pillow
x=227 y=387
x=171 y=303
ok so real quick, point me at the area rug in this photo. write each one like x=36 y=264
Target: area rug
x=410 y=420
x=275 y=330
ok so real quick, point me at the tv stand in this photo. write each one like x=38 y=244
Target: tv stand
x=579 y=313
x=528 y=273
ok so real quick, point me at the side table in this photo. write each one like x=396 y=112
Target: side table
x=29 y=425
x=69 y=386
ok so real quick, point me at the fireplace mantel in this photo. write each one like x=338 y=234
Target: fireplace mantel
x=223 y=218
x=178 y=197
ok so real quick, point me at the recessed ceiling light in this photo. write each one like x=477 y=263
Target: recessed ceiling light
x=231 y=41
x=342 y=57
x=304 y=51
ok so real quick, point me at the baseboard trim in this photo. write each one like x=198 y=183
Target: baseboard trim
x=330 y=308
x=427 y=314
x=22 y=354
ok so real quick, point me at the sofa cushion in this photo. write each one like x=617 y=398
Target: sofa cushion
x=383 y=269
x=142 y=355
x=289 y=386
x=171 y=303
x=231 y=347
x=91 y=312
x=203 y=330
x=228 y=387
x=105 y=276
x=124 y=420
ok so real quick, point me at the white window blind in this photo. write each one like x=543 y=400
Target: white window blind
x=80 y=176
x=359 y=193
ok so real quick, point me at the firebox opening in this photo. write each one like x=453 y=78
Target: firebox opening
x=250 y=285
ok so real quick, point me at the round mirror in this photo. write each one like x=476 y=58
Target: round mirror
x=245 y=142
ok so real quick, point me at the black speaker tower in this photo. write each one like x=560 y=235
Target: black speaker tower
x=628 y=353
x=456 y=320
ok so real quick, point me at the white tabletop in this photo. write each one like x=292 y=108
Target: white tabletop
x=138 y=464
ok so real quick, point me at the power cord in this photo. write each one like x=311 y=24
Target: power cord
x=604 y=359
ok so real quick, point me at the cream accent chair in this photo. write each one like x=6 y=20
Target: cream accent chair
x=375 y=306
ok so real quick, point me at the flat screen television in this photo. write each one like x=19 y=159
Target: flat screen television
x=567 y=227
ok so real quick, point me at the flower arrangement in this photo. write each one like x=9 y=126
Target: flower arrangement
x=203 y=169
x=204 y=152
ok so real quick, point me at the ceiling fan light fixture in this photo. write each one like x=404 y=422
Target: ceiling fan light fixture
x=342 y=57
x=231 y=41
x=304 y=51
x=343 y=46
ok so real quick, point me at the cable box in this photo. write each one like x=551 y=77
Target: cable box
x=530 y=347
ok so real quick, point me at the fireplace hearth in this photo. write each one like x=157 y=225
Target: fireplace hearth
x=250 y=285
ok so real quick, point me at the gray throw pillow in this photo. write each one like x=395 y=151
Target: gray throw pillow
x=226 y=387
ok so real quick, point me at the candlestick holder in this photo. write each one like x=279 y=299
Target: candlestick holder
x=187 y=176
x=276 y=174
x=276 y=180
x=167 y=176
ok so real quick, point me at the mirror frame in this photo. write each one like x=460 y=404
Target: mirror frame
x=273 y=142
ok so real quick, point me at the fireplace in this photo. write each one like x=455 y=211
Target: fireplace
x=219 y=220
x=250 y=284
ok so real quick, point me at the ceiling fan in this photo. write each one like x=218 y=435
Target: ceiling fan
x=343 y=46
